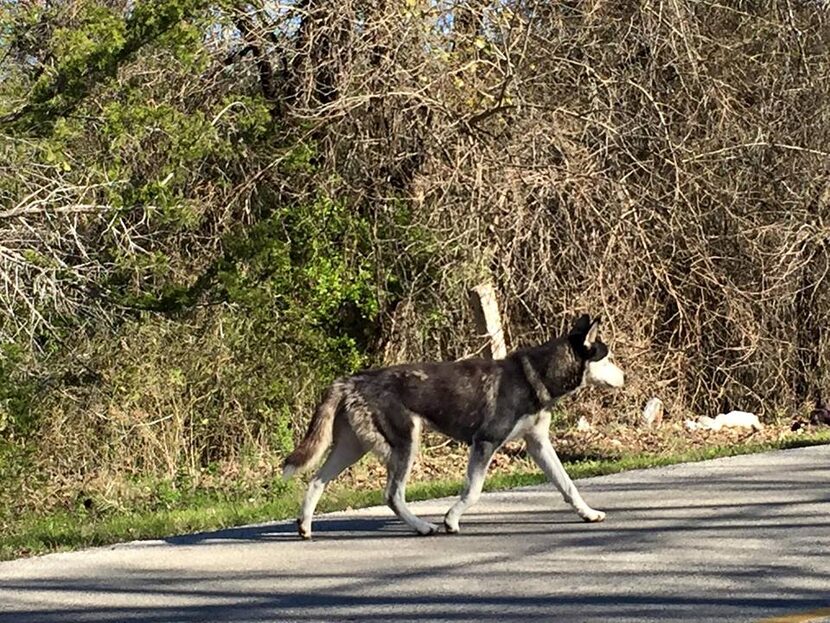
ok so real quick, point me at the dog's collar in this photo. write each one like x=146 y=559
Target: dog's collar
x=542 y=393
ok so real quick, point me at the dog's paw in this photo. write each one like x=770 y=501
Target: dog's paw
x=428 y=529
x=451 y=528
x=305 y=533
x=593 y=517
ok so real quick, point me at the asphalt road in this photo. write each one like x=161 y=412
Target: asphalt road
x=737 y=539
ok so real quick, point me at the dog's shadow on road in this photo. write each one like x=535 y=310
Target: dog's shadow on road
x=341 y=529
x=363 y=528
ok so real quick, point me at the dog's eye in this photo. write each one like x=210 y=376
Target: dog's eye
x=598 y=352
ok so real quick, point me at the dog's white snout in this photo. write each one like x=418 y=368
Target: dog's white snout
x=619 y=377
x=605 y=372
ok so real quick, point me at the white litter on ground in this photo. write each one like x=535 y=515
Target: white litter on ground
x=583 y=425
x=653 y=413
x=733 y=419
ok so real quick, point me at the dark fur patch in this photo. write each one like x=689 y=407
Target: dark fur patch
x=471 y=398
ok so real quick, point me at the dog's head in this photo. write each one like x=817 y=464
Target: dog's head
x=599 y=370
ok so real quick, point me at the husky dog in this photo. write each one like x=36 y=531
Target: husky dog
x=481 y=402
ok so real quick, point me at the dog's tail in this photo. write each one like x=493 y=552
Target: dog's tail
x=318 y=437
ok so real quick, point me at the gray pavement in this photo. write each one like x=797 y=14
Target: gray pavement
x=736 y=539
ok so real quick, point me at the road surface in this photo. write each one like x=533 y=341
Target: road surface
x=737 y=539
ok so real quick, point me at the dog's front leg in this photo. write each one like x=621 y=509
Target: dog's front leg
x=540 y=448
x=481 y=452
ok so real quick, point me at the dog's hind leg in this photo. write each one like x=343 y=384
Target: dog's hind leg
x=540 y=448
x=398 y=465
x=347 y=450
x=481 y=453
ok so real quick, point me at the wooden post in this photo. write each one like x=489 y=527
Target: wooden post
x=488 y=320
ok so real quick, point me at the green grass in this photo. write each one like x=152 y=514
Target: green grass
x=199 y=511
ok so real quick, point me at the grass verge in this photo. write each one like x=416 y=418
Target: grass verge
x=201 y=511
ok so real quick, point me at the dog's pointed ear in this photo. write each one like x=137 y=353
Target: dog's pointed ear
x=592 y=333
x=581 y=325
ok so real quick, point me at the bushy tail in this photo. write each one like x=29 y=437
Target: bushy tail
x=318 y=437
